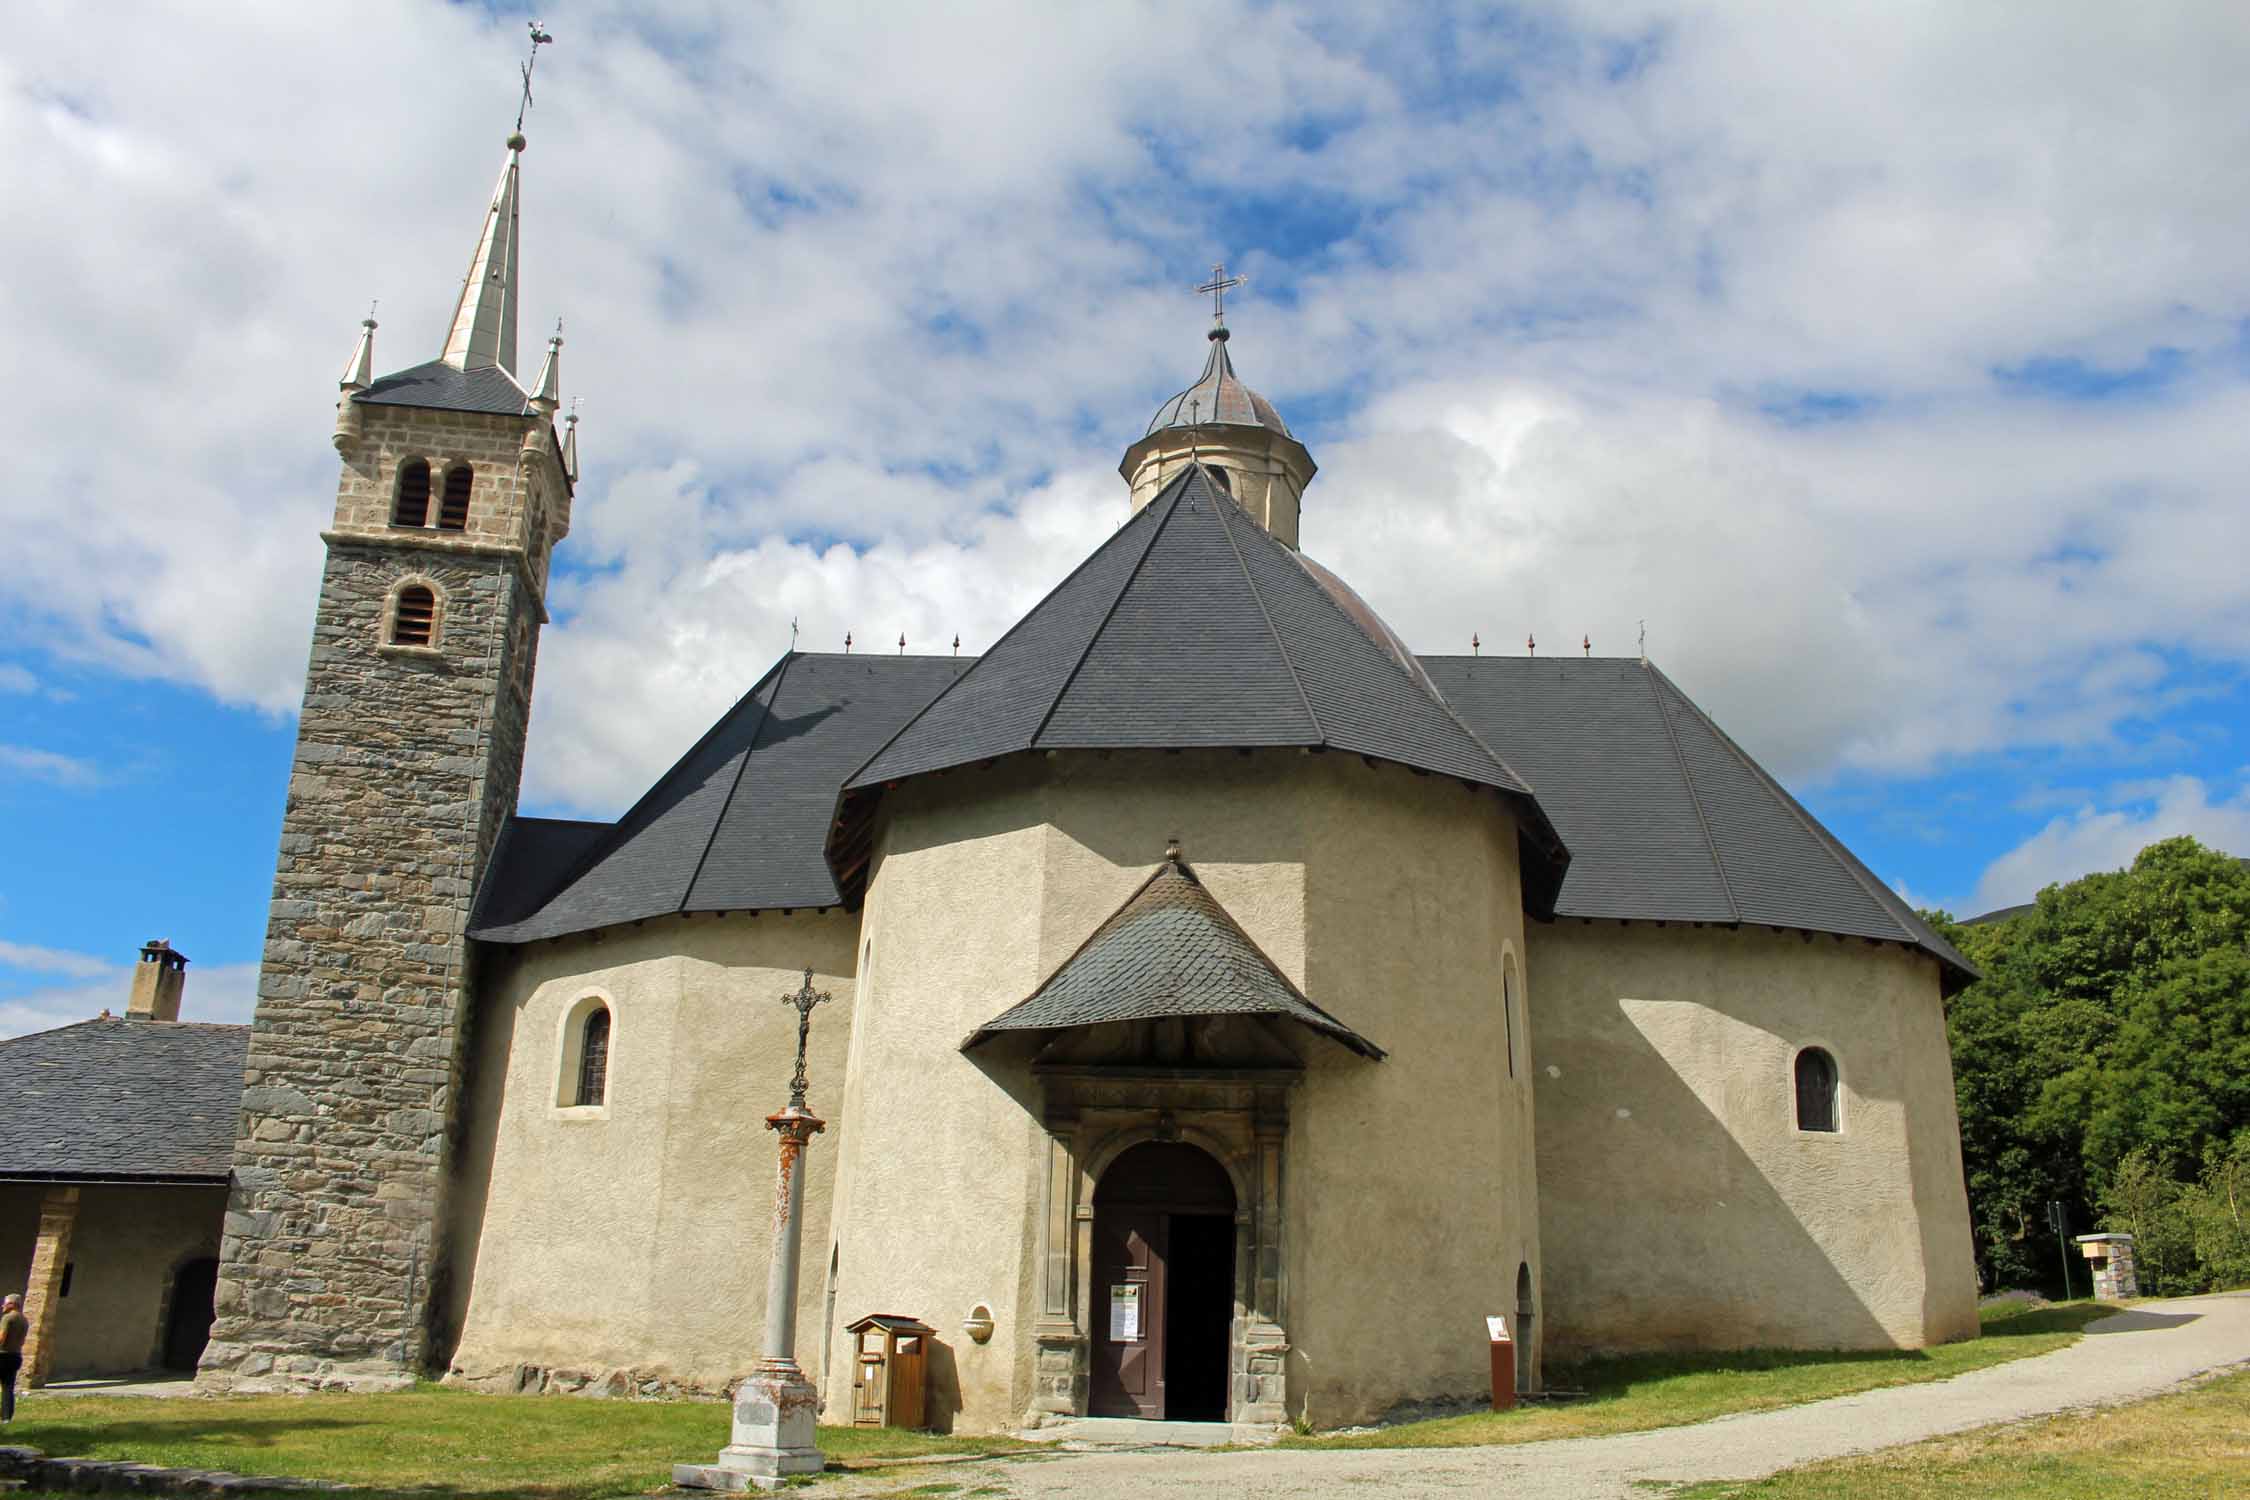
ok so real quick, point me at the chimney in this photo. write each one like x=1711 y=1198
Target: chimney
x=157 y=983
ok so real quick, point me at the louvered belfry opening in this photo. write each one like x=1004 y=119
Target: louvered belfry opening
x=414 y=619
x=412 y=507
x=453 y=509
x=593 y=1059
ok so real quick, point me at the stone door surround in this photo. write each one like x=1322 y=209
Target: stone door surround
x=1093 y=1115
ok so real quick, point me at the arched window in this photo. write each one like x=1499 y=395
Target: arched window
x=1816 y=1090
x=412 y=507
x=593 y=1058
x=414 y=616
x=453 y=508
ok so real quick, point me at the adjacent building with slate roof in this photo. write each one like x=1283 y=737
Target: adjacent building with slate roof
x=1229 y=1008
x=116 y=1150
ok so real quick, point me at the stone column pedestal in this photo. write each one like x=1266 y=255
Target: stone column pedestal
x=775 y=1408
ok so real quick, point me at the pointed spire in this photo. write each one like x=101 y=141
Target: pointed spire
x=546 y=392
x=570 y=463
x=359 y=371
x=484 y=319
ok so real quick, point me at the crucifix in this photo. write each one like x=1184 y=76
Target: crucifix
x=805 y=999
x=1218 y=286
x=539 y=39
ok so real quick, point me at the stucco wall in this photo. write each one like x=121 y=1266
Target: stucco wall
x=1683 y=1208
x=1374 y=889
x=626 y=1246
x=123 y=1252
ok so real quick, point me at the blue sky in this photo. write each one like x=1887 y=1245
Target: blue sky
x=1889 y=363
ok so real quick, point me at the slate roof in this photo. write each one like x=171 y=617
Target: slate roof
x=1666 y=817
x=1218 y=396
x=1170 y=951
x=740 y=824
x=440 y=387
x=1192 y=627
x=120 y=1100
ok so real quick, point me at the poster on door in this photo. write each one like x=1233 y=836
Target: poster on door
x=1124 y=1312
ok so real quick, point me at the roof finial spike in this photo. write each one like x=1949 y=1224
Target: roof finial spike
x=570 y=440
x=539 y=38
x=1172 y=849
x=902 y=643
x=1531 y=644
x=1644 y=643
x=956 y=643
x=1218 y=286
x=1588 y=643
x=546 y=392
x=847 y=643
x=1476 y=644
x=359 y=370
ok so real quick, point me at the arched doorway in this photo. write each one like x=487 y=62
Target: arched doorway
x=187 y=1326
x=1164 y=1273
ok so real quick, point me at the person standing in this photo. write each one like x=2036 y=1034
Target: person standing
x=13 y=1327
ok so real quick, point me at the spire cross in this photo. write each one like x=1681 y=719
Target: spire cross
x=539 y=39
x=805 y=999
x=1218 y=286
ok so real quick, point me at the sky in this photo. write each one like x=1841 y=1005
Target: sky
x=1889 y=364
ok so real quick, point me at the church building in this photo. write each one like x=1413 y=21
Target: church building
x=1231 y=1009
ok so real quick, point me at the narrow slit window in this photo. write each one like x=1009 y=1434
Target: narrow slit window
x=414 y=617
x=593 y=1058
x=1816 y=1090
x=1508 y=1012
x=412 y=506
x=453 y=508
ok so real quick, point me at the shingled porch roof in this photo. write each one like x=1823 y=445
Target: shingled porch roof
x=1171 y=952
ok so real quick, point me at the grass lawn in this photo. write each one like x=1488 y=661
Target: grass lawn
x=450 y=1443
x=1636 y=1392
x=2196 y=1444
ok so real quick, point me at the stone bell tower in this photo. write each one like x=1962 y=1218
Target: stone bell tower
x=454 y=490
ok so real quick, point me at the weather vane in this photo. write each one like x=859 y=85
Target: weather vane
x=1218 y=286
x=805 y=999
x=539 y=38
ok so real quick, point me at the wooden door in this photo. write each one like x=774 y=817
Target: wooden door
x=1128 y=1342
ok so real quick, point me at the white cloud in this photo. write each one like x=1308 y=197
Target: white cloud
x=2094 y=838
x=215 y=992
x=910 y=289
x=49 y=766
x=16 y=679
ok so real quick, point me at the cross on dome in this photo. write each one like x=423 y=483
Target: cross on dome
x=1218 y=286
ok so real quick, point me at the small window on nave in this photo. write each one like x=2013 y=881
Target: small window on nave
x=453 y=508
x=593 y=1058
x=414 y=616
x=411 y=506
x=1816 y=1090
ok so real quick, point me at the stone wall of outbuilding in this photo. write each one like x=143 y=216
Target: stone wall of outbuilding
x=1390 y=898
x=622 y=1248
x=1683 y=1207
x=126 y=1247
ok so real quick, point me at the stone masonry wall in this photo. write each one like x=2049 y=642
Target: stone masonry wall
x=407 y=764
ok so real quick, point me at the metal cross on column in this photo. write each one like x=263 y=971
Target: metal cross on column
x=1218 y=287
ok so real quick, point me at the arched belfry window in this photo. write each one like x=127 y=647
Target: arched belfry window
x=412 y=505
x=1816 y=1090
x=414 y=616
x=593 y=1058
x=453 y=507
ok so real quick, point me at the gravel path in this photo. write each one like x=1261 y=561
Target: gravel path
x=2123 y=1358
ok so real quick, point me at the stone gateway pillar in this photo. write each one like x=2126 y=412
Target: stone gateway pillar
x=42 y=1298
